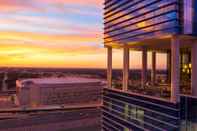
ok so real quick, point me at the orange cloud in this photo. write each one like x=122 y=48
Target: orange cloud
x=35 y=56
x=40 y=38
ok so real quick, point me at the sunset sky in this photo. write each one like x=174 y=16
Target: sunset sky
x=56 y=33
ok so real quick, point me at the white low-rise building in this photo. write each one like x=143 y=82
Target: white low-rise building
x=58 y=91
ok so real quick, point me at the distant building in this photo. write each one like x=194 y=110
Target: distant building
x=58 y=91
x=4 y=84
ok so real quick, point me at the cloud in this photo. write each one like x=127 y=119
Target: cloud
x=16 y=5
x=37 y=56
x=16 y=43
x=52 y=39
x=80 y=7
x=51 y=33
x=47 y=5
x=76 y=2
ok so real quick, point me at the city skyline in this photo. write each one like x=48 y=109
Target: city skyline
x=56 y=33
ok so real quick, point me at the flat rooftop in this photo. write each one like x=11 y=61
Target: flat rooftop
x=63 y=80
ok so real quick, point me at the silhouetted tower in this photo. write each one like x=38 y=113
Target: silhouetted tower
x=4 y=84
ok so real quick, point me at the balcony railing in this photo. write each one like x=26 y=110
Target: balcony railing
x=161 y=90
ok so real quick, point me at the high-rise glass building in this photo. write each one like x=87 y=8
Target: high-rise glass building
x=167 y=26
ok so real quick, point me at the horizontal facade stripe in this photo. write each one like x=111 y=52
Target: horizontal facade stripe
x=104 y=129
x=109 y=2
x=113 y=4
x=113 y=124
x=109 y=127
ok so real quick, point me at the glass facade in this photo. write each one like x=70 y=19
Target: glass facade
x=195 y=17
x=188 y=113
x=186 y=70
x=133 y=20
x=125 y=111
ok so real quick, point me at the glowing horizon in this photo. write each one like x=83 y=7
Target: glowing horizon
x=55 y=33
